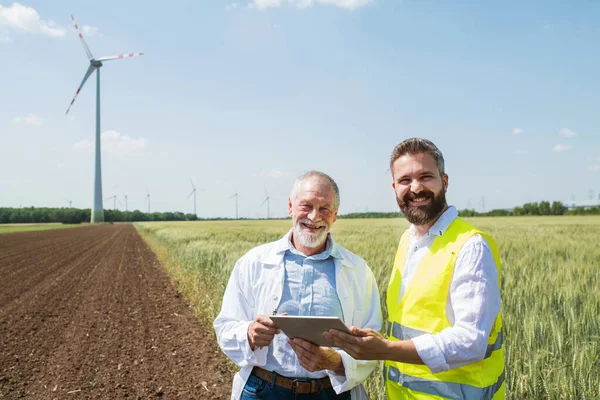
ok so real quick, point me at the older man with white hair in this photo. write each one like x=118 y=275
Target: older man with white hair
x=305 y=273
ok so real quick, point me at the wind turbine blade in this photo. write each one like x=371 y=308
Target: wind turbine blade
x=190 y=194
x=108 y=58
x=194 y=187
x=264 y=201
x=85 y=46
x=85 y=78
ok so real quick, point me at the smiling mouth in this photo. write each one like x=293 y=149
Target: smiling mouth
x=312 y=227
x=419 y=201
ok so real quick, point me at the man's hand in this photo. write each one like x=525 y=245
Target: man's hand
x=261 y=332
x=364 y=344
x=314 y=358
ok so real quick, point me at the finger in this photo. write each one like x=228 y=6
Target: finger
x=309 y=347
x=266 y=321
x=265 y=330
x=359 y=332
x=262 y=329
x=263 y=341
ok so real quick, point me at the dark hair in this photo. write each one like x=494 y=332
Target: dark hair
x=415 y=146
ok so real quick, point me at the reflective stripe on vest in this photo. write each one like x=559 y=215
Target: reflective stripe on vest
x=401 y=332
x=455 y=391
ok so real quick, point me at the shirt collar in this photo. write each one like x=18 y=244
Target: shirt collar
x=441 y=225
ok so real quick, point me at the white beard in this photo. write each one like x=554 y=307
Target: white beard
x=310 y=239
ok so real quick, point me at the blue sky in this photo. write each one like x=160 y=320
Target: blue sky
x=247 y=95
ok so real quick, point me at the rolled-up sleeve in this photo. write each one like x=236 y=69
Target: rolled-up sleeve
x=474 y=303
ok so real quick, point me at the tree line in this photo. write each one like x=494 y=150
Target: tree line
x=33 y=215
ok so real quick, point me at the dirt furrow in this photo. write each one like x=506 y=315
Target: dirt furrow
x=103 y=323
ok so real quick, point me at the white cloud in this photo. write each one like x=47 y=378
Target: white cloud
x=29 y=119
x=566 y=132
x=518 y=131
x=347 y=4
x=231 y=6
x=273 y=173
x=23 y=18
x=595 y=167
x=89 y=30
x=562 y=147
x=114 y=143
x=260 y=4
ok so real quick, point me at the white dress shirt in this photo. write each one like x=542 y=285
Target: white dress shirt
x=473 y=300
x=256 y=287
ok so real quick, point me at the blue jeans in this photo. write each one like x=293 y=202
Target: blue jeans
x=257 y=388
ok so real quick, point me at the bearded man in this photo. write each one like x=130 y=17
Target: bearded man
x=304 y=273
x=443 y=299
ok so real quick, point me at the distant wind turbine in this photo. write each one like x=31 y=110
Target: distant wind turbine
x=114 y=201
x=95 y=64
x=236 y=203
x=148 y=199
x=194 y=193
x=125 y=203
x=266 y=200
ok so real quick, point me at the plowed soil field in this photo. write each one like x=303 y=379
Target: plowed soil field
x=88 y=313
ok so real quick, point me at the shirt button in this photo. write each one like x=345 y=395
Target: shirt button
x=274 y=297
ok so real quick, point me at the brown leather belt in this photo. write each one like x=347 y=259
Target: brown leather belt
x=300 y=386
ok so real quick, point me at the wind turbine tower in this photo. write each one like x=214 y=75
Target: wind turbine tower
x=266 y=200
x=194 y=193
x=125 y=203
x=114 y=201
x=236 y=203
x=148 y=199
x=95 y=64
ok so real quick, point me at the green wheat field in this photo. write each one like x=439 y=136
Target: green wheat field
x=550 y=286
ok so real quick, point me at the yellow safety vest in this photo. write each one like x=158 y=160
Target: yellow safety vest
x=422 y=310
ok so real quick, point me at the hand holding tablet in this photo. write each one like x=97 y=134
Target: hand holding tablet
x=309 y=328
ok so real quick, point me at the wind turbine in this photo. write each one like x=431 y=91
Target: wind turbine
x=114 y=201
x=194 y=193
x=236 y=203
x=266 y=200
x=125 y=203
x=148 y=199
x=95 y=64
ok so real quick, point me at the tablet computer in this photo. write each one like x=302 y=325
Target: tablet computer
x=309 y=328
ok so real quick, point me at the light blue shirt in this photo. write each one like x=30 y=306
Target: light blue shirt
x=309 y=288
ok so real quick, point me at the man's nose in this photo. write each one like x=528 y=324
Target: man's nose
x=416 y=186
x=314 y=214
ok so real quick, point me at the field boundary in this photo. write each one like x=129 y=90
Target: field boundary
x=190 y=293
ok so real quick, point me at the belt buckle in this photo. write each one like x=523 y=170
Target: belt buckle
x=295 y=384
